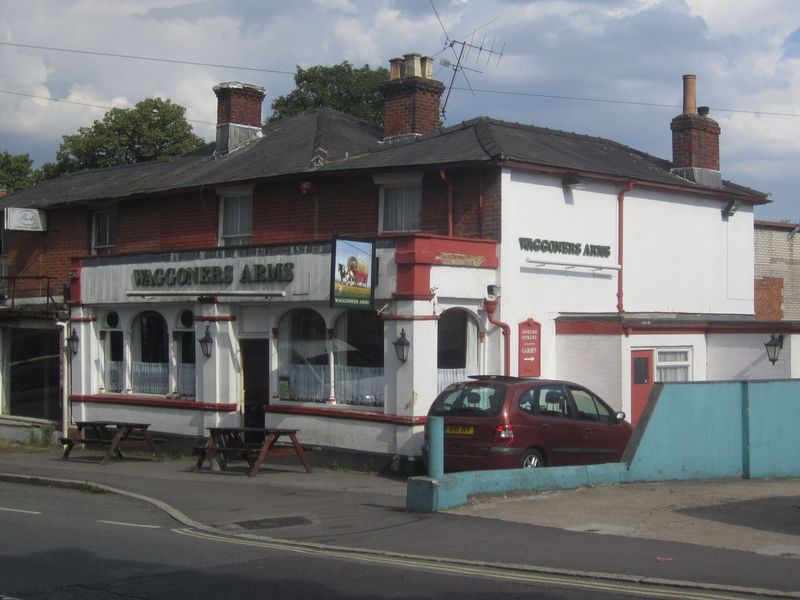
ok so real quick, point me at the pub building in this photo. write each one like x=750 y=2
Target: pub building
x=322 y=275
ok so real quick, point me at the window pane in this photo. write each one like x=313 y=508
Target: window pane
x=401 y=208
x=411 y=212
x=641 y=370
x=237 y=220
x=673 y=356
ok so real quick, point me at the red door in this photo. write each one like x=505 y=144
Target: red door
x=641 y=381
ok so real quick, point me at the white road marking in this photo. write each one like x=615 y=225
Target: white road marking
x=129 y=524
x=17 y=510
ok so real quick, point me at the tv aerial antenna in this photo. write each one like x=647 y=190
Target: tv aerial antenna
x=461 y=53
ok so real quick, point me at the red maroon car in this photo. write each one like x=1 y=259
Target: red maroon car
x=496 y=422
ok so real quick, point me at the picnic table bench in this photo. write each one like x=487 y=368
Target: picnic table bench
x=231 y=442
x=113 y=436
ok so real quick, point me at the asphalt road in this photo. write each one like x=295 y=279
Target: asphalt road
x=64 y=544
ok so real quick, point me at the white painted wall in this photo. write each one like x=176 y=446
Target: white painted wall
x=682 y=256
x=742 y=356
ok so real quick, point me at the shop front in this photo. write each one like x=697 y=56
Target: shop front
x=248 y=336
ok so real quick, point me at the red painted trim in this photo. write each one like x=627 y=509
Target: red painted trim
x=339 y=413
x=215 y=319
x=386 y=317
x=154 y=402
x=427 y=296
x=82 y=319
x=620 y=328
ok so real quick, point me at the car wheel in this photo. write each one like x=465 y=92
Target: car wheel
x=531 y=459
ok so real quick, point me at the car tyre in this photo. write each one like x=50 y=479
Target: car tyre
x=531 y=459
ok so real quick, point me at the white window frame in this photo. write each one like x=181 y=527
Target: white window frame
x=660 y=363
x=108 y=244
x=239 y=194
x=398 y=181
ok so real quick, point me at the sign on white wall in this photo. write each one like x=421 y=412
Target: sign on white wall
x=25 y=219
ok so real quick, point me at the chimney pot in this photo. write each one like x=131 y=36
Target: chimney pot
x=427 y=67
x=396 y=69
x=413 y=66
x=690 y=94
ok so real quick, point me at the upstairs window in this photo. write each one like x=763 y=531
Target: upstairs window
x=104 y=228
x=236 y=216
x=400 y=202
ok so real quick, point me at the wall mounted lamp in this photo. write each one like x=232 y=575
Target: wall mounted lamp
x=774 y=347
x=402 y=346
x=73 y=341
x=206 y=343
x=573 y=182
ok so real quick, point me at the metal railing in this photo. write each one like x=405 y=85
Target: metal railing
x=15 y=290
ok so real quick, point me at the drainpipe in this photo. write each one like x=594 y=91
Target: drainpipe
x=449 y=203
x=620 y=242
x=491 y=307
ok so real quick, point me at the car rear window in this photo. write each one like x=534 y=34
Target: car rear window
x=472 y=400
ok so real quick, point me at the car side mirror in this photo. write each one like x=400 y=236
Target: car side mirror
x=620 y=417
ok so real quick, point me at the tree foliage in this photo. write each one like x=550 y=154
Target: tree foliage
x=16 y=171
x=152 y=129
x=351 y=90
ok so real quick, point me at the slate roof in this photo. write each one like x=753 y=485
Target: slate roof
x=327 y=141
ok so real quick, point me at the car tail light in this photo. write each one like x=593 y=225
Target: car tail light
x=503 y=433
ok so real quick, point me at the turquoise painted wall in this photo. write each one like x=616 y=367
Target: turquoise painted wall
x=774 y=425
x=703 y=430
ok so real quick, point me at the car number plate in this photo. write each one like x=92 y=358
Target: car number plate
x=460 y=429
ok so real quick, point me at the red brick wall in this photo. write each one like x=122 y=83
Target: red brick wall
x=48 y=254
x=412 y=106
x=769 y=298
x=239 y=106
x=281 y=215
x=695 y=142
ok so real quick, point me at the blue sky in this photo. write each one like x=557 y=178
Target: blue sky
x=608 y=68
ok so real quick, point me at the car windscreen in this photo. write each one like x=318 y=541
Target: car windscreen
x=469 y=400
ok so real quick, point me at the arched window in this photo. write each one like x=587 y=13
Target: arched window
x=150 y=354
x=358 y=358
x=303 y=371
x=457 y=346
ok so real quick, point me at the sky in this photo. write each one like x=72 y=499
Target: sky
x=607 y=68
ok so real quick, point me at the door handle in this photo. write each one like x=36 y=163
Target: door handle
x=545 y=425
x=587 y=430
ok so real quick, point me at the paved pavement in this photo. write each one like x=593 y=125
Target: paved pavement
x=670 y=530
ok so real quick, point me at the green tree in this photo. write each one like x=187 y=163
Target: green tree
x=152 y=129
x=351 y=90
x=16 y=171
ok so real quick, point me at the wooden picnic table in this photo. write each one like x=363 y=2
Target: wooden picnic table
x=113 y=436
x=231 y=442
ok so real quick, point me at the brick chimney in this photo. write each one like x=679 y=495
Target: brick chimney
x=412 y=97
x=238 y=114
x=695 y=140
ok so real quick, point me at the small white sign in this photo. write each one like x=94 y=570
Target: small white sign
x=26 y=219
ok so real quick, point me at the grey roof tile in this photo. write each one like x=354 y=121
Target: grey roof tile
x=294 y=145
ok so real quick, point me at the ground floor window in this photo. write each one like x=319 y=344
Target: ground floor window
x=673 y=365
x=150 y=354
x=306 y=355
x=115 y=361
x=34 y=374
x=303 y=367
x=358 y=358
x=457 y=347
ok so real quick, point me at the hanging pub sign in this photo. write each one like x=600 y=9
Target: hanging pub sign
x=352 y=273
x=530 y=348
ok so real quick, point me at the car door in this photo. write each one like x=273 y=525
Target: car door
x=561 y=434
x=603 y=438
